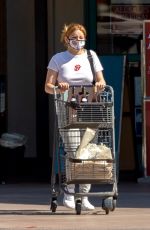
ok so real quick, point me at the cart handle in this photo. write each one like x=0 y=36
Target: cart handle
x=81 y=86
x=107 y=87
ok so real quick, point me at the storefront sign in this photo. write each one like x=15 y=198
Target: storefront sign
x=128 y=19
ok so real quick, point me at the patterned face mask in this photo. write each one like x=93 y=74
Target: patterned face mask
x=76 y=44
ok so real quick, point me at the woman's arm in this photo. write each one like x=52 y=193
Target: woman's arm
x=51 y=79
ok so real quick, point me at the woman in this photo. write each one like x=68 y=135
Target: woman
x=72 y=67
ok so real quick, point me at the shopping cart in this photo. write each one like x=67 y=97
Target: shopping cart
x=78 y=109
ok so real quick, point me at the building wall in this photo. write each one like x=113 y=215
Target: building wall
x=59 y=13
x=21 y=77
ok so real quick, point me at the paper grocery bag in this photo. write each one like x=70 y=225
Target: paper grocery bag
x=87 y=137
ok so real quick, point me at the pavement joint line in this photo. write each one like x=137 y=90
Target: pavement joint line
x=24 y=212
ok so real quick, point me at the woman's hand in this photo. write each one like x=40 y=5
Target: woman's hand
x=63 y=86
x=100 y=82
x=100 y=85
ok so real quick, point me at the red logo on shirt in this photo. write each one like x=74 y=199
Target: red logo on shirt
x=77 y=67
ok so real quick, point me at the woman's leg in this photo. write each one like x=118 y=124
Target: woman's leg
x=68 y=200
x=86 y=205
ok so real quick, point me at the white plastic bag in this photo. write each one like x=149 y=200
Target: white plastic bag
x=93 y=151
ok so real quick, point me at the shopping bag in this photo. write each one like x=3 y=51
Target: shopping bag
x=87 y=137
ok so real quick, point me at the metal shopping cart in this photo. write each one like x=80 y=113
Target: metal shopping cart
x=78 y=109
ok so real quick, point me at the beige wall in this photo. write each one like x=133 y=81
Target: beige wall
x=21 y=70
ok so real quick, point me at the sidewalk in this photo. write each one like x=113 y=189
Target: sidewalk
x=26 y=206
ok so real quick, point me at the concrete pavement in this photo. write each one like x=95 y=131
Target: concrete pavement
x=26 y=206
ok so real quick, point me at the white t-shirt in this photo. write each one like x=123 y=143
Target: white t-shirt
x=74 y=69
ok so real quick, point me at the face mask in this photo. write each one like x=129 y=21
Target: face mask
x=77 y=44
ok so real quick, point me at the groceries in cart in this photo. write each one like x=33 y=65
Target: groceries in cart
x=84 y=104
x=78 y=96
x=95 y=160
x=94 y=151
x=88 y=150
x=87 y=137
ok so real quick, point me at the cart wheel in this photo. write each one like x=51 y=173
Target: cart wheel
x=78 y=207
x=104 y=207
x=114 y=205
x=53 y=205
x=106 y=211
x=107 y=204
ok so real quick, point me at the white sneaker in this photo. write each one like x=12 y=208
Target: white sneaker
x=68 y=201
x=86 y=205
